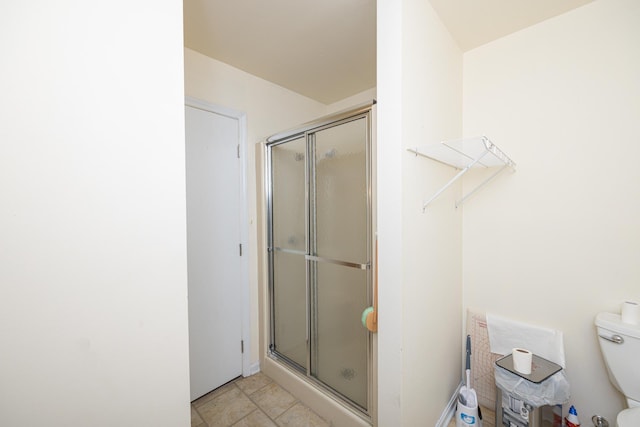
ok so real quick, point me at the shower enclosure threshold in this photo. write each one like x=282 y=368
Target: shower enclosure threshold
x=329 y=404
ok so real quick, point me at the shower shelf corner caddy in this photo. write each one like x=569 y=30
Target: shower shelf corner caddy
x=464 y=154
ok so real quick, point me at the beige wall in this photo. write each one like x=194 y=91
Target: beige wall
x=93 y=286
x=559 y=240
x=420 y=94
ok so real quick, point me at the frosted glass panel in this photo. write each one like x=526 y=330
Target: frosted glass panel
x=341 y=192
x=289 y=294
x=289 y=233
x=342 y=341
x=288 y=166
x=340 y=293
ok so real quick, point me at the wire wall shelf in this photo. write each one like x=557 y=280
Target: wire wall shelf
x=464 y=154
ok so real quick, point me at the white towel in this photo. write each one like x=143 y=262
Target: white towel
x=506 y=334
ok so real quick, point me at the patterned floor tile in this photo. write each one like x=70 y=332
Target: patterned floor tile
x=300 y=416
x=215 y=393
x=255 y=419
x=196 y=421
x=273 y=399
x=253 y=383
x=226 y=409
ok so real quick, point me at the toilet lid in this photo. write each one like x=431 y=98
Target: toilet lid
x=629 y=418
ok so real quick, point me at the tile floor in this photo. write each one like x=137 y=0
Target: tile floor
x=255 y=401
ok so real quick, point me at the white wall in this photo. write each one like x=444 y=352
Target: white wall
x=420 y=102
x=559 y=240
x=432 y=253
x=350 y=102
x=388 y=196
x=93 y=304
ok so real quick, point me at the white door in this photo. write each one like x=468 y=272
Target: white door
x=213 y=249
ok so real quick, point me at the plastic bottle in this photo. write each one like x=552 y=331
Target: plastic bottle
x=557 y=416
x=572 y=418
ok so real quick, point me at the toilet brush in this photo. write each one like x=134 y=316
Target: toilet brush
x=468 y=413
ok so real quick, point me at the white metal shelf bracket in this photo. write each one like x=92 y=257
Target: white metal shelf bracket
x=465 y=154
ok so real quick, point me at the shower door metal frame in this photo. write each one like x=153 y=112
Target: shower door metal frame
x=271 y=249
x=311 y=259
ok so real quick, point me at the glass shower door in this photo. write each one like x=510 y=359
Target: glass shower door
x=339 y=248
x=319 y=238
x=289 y=249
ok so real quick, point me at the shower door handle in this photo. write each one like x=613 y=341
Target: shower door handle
x=338 y=262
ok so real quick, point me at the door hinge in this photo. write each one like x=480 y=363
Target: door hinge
x=242 y=346
x=238 y=150
x=240 y=249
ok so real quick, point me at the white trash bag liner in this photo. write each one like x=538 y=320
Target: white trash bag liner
x=552 y=391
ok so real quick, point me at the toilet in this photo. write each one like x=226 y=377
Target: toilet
x=620 y=345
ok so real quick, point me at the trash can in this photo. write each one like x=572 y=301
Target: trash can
x=513 y=412
x=533 y=400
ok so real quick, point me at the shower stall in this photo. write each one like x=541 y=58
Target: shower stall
x=319 y=239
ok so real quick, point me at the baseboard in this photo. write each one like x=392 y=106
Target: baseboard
x=254 y=368
x=450 y=410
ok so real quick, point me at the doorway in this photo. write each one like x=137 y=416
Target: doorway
x=217 y=262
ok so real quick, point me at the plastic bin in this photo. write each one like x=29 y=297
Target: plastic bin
x=533 y=400
x=513 y=412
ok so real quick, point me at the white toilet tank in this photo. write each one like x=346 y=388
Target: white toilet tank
x=620 y=345
x=628 y=418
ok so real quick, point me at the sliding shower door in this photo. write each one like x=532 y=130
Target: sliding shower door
x=289 y=240
x=320 y=254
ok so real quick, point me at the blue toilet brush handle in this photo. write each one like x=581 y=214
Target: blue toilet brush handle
x=468 y=364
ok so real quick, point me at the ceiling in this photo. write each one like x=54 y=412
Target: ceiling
x=473 y=23
x=326 y=50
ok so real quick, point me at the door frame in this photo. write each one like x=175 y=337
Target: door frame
x=245 y=291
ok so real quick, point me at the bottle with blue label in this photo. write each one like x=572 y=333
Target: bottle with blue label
x=572 y=418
